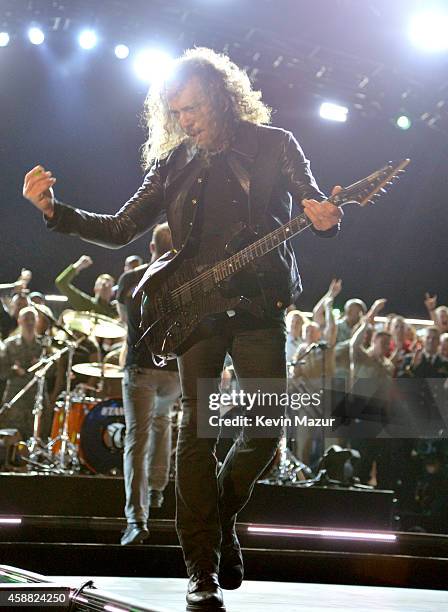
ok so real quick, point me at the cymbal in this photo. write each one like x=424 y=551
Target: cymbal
x=105 y=370
x=46 y=312
x=90 y=323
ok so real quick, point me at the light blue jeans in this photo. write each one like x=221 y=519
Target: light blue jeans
x=148 y=397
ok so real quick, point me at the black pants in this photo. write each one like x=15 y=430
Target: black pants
x=208 y=502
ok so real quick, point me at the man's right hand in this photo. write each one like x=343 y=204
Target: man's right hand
x=83 y=262
x=37 y=188
x=335 y=288
x=376 y=307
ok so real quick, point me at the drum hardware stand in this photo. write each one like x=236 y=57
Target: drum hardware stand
x=67 y=457
x=290 y=470
x=36 y=464
x=100 y=386
x=37 y=449
x=68 y=454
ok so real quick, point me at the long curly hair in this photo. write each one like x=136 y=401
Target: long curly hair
x=226 y=85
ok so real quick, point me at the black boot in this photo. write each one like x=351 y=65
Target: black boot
x=204 y=593
x=231 y=568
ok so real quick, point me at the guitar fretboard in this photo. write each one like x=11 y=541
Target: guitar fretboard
x=260 y=247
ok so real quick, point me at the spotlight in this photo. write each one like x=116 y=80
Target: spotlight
x=87 y=39
x=36 y=36
x=403 y=122
x=333 y=112
x=4 y=39
x=151 y=65
x=121 y=51
x=428 y=31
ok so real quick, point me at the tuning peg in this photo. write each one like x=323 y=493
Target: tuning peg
x=382 y=190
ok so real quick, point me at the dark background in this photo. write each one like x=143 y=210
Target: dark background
x=77 y=113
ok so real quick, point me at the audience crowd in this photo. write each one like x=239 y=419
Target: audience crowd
x=383 y=377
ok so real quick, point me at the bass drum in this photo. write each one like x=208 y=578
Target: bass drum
x=102 y=438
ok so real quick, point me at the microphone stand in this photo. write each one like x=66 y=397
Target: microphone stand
x=319 y=411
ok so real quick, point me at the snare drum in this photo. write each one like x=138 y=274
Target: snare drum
x=80 y=407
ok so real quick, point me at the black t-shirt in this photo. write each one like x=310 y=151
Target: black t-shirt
x=225 y=206
x=224 y=214
x=141 y=356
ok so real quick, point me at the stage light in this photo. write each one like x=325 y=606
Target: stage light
x=333 y=112
x=151 y=65
x=429 y=30
x=10 y=521
x=36 y=36
x=4 y=39
x=121 y=51
x=343 y=534
x=403 y=122
x=87 y=39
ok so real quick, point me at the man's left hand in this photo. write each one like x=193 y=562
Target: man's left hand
x=323 y=215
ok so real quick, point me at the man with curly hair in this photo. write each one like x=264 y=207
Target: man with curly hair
x=214 y=167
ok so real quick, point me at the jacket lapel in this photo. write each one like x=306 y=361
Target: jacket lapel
x=242 y=156
x=179 y=163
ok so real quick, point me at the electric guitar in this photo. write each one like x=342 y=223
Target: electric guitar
x=179 y=291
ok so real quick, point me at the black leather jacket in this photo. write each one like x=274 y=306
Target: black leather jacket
x=270 y=167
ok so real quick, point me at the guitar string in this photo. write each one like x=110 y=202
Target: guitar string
x=224 y=265
x=191 y=285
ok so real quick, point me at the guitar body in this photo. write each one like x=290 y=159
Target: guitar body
x=170 y=317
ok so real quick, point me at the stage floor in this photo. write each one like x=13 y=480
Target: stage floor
x=168 y=595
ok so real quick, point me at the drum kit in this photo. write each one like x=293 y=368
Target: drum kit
x=87 y=432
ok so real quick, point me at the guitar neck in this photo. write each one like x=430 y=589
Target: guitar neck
x=260 y=247
x=362 y=192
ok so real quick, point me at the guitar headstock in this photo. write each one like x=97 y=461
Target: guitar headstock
x=373 y=186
